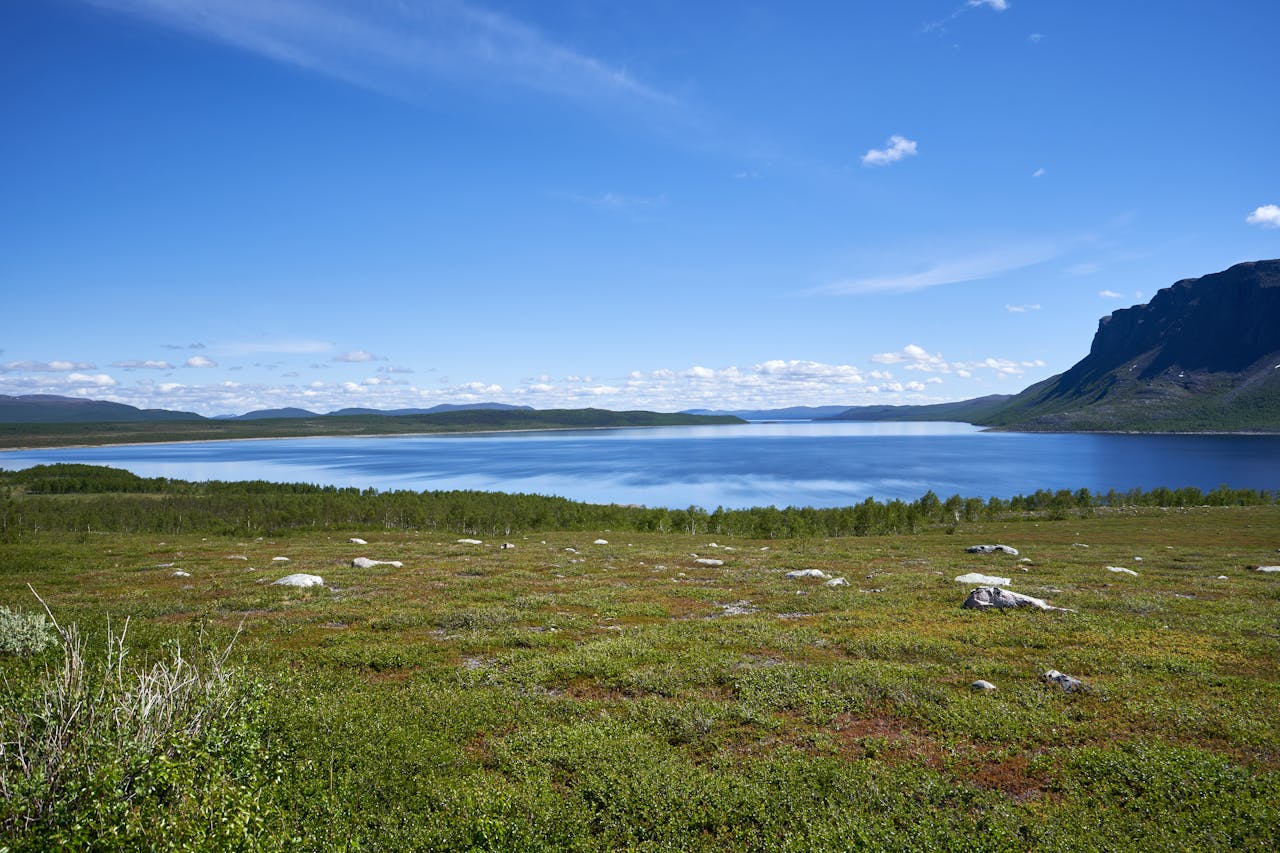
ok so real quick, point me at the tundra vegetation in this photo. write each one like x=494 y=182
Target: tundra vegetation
x=623 y=695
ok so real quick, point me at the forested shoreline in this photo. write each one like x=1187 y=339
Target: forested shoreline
x=87 y=498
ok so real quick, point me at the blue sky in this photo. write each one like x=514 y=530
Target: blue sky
x=222 y=205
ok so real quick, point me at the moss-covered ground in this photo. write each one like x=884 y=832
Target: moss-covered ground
x=565 y=695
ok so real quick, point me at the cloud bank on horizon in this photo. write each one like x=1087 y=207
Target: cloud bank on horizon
x=225 y=205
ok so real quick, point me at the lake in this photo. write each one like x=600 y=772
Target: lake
x=796 y=463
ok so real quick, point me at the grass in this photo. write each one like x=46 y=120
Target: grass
x=538 y=699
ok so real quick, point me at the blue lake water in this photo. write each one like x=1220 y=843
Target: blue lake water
x=800 y=464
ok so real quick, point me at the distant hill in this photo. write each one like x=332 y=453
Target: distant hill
x=443 y=407
x=1202 y=356
x=270 y=414
x=793 y=413
x=52 y=409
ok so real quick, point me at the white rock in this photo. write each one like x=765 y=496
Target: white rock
x=707 y=561
x=1078 y=545
x=366 y=563
x=236 y=557
x=1222 y=577
x=181 y=574
x=356 y=540
x=507 y=546
x=1137 y=559
x=1025 y=560
x=993 y=597
x=991 y=549
x=279 y=559
x=601 y=542
x=983 y=580
x=982 y=686
x=299 y=580
x=1269 y=568
x=836 y=582
x=808 y=573
x=1121 y=570
x=470 y=542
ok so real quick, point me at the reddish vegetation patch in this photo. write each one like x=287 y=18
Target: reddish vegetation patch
x=1010 y=775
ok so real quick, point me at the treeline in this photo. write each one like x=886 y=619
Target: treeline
x=90 y=498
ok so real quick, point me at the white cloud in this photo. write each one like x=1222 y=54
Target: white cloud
x=617 y=202
x=263 y=347
x=998 y=5
x=356 y=357
x=46 y=366
x=200 y=361
x=1268 y=216
x=1110 y=294
x=898 y=147
x=1021 y=309
x=1038 y=173
x=954 y=271
x=135 y=364
x=98 y=380
x=397 y=48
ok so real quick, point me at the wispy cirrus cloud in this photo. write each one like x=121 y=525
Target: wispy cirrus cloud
x=46 y=366
x=396 y=47
x=1021 y=309
x=953 y=271
x=968 y=6
x=139 y=364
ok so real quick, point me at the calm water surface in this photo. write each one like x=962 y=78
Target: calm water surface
x=801 y=464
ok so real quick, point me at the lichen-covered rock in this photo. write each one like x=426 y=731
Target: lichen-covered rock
x=299 y=580
x=808 y=573
x=995 y=598
x=366 y=563
x=985 y=580
x=836 y=582
x=1066 y=682
x=981 y=686
x=992 y=549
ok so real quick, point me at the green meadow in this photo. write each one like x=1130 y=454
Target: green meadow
x=564 y=694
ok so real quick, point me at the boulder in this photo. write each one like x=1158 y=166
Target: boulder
x=299 y=580
x=707 y=561
x=1121 y=570
x=992 y=549
x=981 y=686
x=355 y=540
x=984 y=580
x=1269 y=568
x=601 y=542
x=995 y=598
x=836 y=582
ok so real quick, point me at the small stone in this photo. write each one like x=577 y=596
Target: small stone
x=279 y=559
x=982 y=686
x=366 y=563
x=470 y=542
x=507 y=546
x=707 y=561
x=836 y=582
x=1269 y=568
x=181 y=574
x=983 y=580
x=601 y=542
x=1121 y=570
x=355 y=540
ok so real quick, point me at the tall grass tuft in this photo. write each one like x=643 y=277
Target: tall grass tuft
x=164 y=756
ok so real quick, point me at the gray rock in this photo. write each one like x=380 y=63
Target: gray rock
x=836 y=582
x=808 y=573
x=1269 y=568
x=982 y=686
x=1066 y=682
x=356 y=540
x=985 y=580
x=366 y=563
x=707 y=561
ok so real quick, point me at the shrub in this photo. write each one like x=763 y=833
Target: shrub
x=25 y=633
x=169 y=756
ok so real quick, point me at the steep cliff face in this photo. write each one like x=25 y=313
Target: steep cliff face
x=1202 y=354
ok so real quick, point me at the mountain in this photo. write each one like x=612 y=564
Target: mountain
x=793 y=413
x=1202 y=355
x=52 y=409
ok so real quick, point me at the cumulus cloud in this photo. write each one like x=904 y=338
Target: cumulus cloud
x=98 y=380
x=135 y=364
x=1267 y=216
x=897 y=148
x=200 y=361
